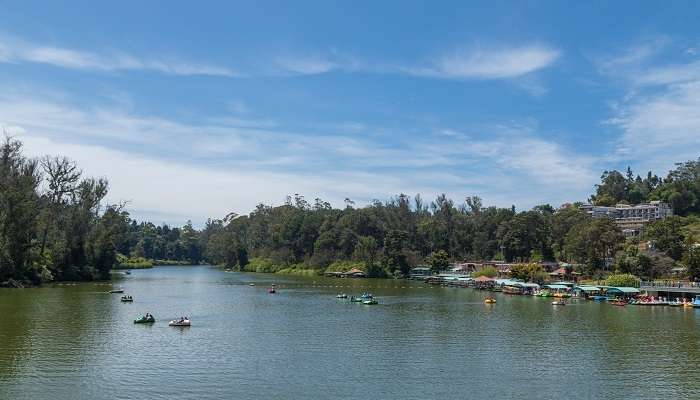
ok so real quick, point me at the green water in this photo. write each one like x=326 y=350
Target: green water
x=78 y=342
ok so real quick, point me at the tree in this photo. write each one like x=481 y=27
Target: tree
x=439 y=261
x=622 y=280
x=692 y=262
x=667 y=236
x=19 y=180
x=593 y=242
x=532 y=272
x=487 y=271
x=394 y=252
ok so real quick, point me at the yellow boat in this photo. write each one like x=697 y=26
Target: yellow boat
x=490 y=301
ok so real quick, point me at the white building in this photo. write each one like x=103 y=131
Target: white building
x=631 y=219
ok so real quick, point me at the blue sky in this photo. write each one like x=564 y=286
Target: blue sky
x=197 y=110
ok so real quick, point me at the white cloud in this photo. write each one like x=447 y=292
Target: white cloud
x=494 y=63
x=206 y=169
x=19 y=51
x=658 y=116
x=661 y=128
x=307 y=65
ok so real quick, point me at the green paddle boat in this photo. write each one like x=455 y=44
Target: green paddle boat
x=145 y=319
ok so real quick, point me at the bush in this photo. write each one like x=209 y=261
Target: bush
x=124 y=262
x=488 y=271
x=627 y=280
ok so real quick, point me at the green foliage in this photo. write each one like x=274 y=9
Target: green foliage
x=592 y=242
x=487 y=271
x=439 y=261
x=622 y=280
x=124 y=262
x=667 y=235
x=692 y=262
x=531 y=272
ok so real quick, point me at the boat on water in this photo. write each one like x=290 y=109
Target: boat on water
x=251 y=284
x=117 y=291
x=366 y=296
x=490 y=301
x=272 y=290
x=559 y=303
x=127 y=272
x=180 y=322
x=342 y=296
x=127 y=299
x=370 y=302
x=620 y=303
x=354 y=299
x=145 y=319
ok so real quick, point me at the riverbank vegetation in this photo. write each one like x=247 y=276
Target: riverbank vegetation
x=54 y=225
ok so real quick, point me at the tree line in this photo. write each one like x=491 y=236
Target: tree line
x=54 y=226
x=388 y=238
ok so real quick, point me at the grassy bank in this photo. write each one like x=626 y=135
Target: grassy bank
x=268 y=266
x=124 y=262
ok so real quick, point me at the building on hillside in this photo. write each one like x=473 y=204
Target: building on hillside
x=631 y=219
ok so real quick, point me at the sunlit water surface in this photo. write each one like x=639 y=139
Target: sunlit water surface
x=79 y=342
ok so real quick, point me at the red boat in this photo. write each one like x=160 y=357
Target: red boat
x=621 y=303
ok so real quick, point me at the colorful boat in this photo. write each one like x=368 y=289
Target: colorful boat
x=618 y=303
x=145 y=319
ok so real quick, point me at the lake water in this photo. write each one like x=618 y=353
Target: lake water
x=420 y=342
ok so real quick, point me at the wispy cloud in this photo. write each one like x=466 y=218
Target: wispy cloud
x=658 y=116
x=14 y=50
x=218 y=156
x=490 y=63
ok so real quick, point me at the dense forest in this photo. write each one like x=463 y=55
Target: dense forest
x=54 y=226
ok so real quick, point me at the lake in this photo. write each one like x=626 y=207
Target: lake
x=79 y=342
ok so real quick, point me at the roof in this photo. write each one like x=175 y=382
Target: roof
x=355 y=271
x=623 y=289
x=587 y=288
x=529 y=285
x=556 y=286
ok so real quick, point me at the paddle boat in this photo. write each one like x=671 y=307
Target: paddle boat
x=183 y=321
x=370 y=302
x=620 y=303
x=559 y=303
x=490 y=300
x=127 y=299
x=145 y=319
x=342 y=296
x=120 y=290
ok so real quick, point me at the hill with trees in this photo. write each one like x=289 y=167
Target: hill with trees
x=54 y=226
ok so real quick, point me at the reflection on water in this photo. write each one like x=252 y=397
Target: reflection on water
x=67 y=342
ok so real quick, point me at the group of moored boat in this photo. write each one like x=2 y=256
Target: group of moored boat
x=365 y=298
x=148 y=318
